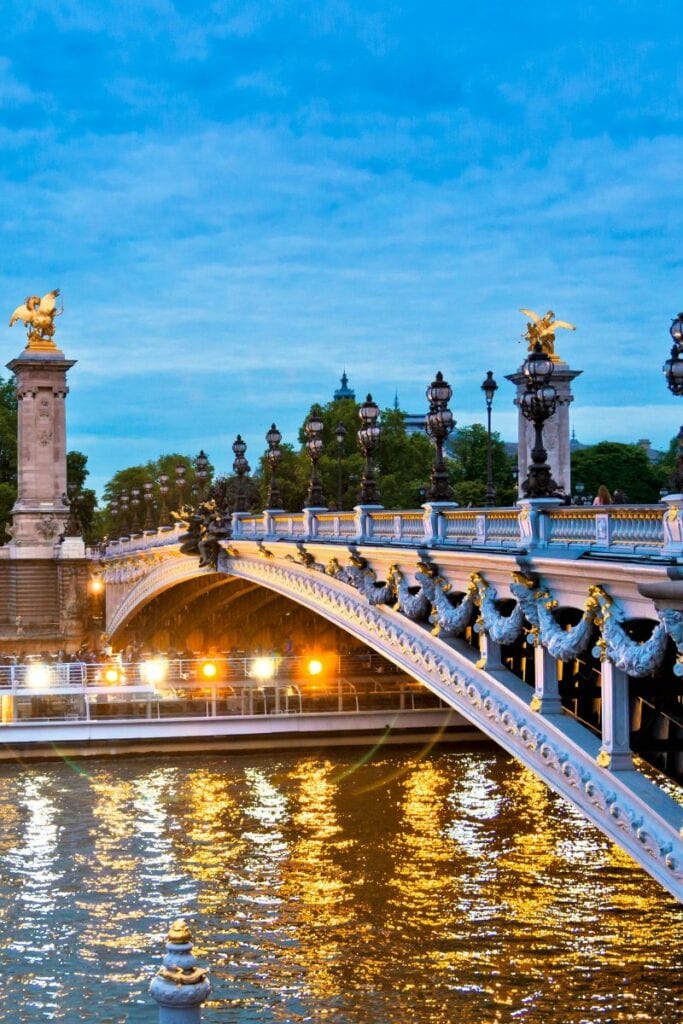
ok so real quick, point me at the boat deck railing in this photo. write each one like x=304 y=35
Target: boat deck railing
x=182 y=688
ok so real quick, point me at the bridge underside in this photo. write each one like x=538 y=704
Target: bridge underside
x=225 y=613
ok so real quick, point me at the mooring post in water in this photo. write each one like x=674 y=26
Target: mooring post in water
x=180 y=986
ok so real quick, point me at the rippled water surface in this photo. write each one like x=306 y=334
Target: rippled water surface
x=451 y=887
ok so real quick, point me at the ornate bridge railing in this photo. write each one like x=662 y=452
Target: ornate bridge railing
x=647 y=531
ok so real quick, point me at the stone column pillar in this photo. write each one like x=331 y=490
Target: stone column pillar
x=556 y=434
x=41 y=510
x=615 y=749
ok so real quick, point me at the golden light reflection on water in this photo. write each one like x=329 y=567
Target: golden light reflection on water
x=423 y=888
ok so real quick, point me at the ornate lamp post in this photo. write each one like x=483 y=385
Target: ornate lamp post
x=314 y=447
x=148 y=496
x=240 y=467
x=180 y=485
x=201 y=472
x=340 y=437
x=368 y=439
x=114 y=519
x=537 y=405
x=164 y=519
x=123 y=523
x=135 y=514
x=274 y=458
x=489 y=387
x=438 y=424
x=673 y=371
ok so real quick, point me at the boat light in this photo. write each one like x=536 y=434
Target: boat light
x=263 y=668
x=38 y=674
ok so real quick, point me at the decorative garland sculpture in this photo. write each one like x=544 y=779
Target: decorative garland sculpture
x=429 y=602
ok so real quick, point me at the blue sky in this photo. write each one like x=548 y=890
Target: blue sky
x=240 y=199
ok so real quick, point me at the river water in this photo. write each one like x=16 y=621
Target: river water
x=328 y=887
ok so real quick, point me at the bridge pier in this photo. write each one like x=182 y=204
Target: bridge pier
x=615 y=750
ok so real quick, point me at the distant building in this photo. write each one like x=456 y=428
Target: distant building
x=344 y=391
x=414 y=422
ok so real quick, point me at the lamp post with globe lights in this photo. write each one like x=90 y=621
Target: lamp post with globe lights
x=164 y=519
x=537 y=404
x=114 y=519
x=148 y=498
x=438 y=424
x=673 y=371
x=489 y=387
x=240 y=468
x=368 y=439
x=135 y=506
x=180 y=485
x=123 y=521
x=314 y=427
x=340 y=437
x=273 y=458
x=201 y=472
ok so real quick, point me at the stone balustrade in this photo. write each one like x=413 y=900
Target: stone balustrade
x=643 y=531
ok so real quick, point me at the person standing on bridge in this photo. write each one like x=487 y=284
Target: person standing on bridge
x=603 y=497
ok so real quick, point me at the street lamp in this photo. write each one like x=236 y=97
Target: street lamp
x=340 y=437
x=240 y=467
x=489 y=387
x=135 y=505
x=368 y=439
x=148 y=496
x=673 y=371
x=314 y=427
x=201 y=472
x=123 y=527
x=537 y=405
x=180 y=485
x=164 y=519
x=274 y=458
x=438 y=424
x=114 y=519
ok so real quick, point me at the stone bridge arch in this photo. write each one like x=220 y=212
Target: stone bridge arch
x=624 y=805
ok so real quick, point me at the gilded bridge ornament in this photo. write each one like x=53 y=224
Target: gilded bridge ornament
x=39 y=316
x=542 y=328
x=179 y=932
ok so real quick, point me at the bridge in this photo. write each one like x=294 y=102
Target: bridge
x=555 y=630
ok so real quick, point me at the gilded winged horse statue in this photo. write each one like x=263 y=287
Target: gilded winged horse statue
x=39 y=316
x=542 y=328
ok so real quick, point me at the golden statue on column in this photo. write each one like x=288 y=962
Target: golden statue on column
x=542 y=328
x=39 y=316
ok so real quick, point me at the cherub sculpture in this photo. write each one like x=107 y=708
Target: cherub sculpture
x=542 y=328
x=39 y=316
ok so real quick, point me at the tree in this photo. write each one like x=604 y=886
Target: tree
x=469 y=447
x=8 y=452
x=292 y=479
x=669 y=467
x=83 y=499
x=402 y=460
x=135 y=477
x=623 y=467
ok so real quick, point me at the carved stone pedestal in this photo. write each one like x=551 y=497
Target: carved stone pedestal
x=556 y=435
x=41 y=510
